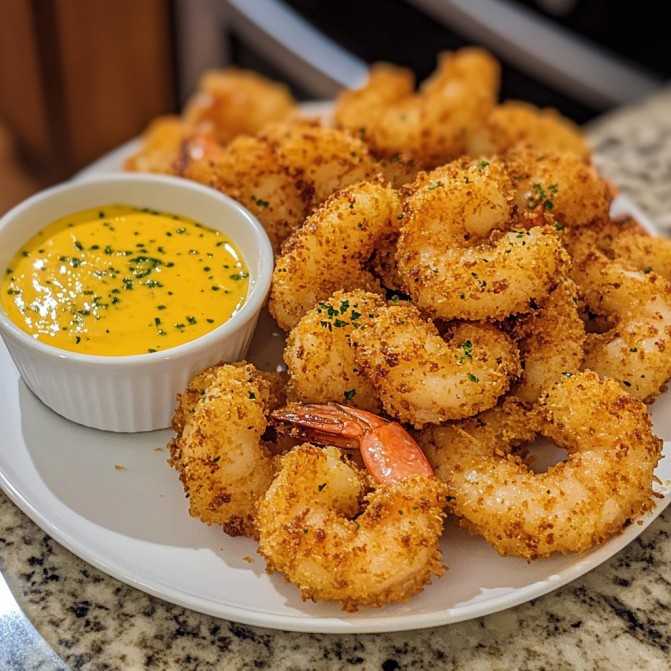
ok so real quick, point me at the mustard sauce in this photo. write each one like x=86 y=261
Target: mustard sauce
x=118 y=280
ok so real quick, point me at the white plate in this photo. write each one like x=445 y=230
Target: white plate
x=113 y=500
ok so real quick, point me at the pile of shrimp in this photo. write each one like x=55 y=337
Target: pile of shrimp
x=244 y=136
x=452 y=286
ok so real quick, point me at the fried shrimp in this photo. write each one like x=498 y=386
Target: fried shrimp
x=218 y=452
x=231 y=102
x=330 y=251
x=387 y=84
x=320 y=361
x=550 y=340
x=248 y=171
x=628 y=241
x=514 y=122
x=435 y=124
x=605 y=483
x=283 y=173
x=161 y=145
x=560 y=183
x=421 y=378
x=459 y=254
x=338 y=534
x=636 y=350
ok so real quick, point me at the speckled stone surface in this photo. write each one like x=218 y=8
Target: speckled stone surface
x=617 y=617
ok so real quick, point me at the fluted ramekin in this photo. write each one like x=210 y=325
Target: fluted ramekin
x=132 y=393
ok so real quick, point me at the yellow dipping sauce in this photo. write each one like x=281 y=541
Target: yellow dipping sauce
x=119 y=280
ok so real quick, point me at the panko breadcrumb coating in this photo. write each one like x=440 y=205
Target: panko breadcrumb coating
x=561 y=184
x=605 y=483
x=218 y=452
x=635 y=348
x=337 y=535
x=329 y=252
x=625 y=239
x=320 y=361
x=434 y=125
x=422 y=378
x=231 y=102
x=516 y=122
x=461 y=255
x=161 y=145
x=551 y=341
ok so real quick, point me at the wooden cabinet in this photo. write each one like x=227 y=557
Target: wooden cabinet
x=79 y=77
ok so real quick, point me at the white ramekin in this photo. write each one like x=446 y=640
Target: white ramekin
x=132 y=393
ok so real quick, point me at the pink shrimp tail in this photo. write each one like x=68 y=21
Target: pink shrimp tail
x=388 y=450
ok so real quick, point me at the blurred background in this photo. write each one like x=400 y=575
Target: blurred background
x=80 y=77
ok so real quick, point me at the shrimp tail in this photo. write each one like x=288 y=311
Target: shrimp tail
x=388 y=450
x=322 y=424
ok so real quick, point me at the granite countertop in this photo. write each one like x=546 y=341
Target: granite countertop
x=618 y=616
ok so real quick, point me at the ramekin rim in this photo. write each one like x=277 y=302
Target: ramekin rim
x=250 y=309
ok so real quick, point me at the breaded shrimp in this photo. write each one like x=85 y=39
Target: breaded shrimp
x=421 y=378
x=387 y=84
x=627 y=240
x=319 y=359
x=514 y=122
x=324 y=159
x=336 y=535
x=329 y=252
x=161 y=145
x=218 y=452
x=550 y=340
x=459 y=254
x=249 y=172
x=283 y=173
x=560 y=183
x=434 y=126
x=231 y=102
x=605 y=483
x=636 y=350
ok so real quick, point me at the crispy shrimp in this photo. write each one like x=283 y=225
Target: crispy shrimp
x=605 y=483
x=387 y=84
x=329 y=252
x=435 y=124
x=283 y=173
x=636 y=349
x=515 y=122
x=231 y=102
x=550 y=340
x=248 y=171
x=324 y=159
x=459 y=254
x=560 y=183
x=320 y=361
x=223 y=464
x=627 y=240
x=161 y=145
x=338 y=534
x=421 y=378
